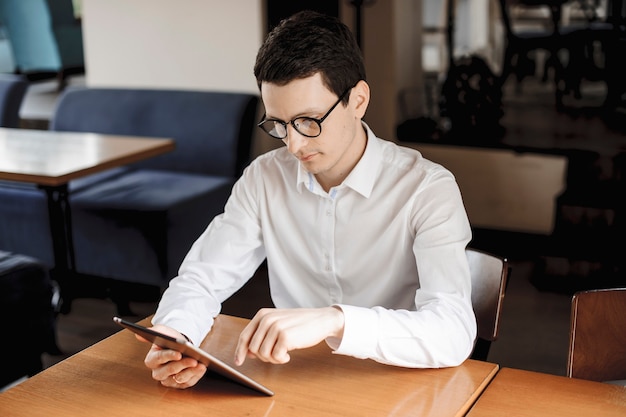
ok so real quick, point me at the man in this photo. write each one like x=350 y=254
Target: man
x=364 y=240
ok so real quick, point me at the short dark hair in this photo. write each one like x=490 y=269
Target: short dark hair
x=306 y=43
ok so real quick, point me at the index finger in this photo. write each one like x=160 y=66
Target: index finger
x=241 y=351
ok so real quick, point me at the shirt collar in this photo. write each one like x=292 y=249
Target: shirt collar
x=363 y=175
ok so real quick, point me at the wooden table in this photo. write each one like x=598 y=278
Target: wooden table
x=110 y=379
x=52 y=159
x=517 y=393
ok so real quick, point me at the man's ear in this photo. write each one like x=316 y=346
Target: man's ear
x=361 y=96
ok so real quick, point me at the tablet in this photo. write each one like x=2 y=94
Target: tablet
x=187 y=349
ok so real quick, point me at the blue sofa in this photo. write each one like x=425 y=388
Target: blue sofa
x=134 y=224
x=24 y=226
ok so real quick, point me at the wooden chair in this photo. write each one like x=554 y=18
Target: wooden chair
x=489 y=278
x=597 y=344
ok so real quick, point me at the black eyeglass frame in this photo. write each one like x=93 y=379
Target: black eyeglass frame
x=292 y=122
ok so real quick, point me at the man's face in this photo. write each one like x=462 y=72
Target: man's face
x=333 y=154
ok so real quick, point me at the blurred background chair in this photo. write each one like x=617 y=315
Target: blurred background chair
x=27 y=298
x=595 y=35
x=12 y=91
x=489 y=279
x=68 y=34
x=45 y=36
x=532 y=29
x=597 y=344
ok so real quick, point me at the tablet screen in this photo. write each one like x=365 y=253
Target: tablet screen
x=186 y=348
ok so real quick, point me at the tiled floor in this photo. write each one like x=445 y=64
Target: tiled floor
x=535 y=324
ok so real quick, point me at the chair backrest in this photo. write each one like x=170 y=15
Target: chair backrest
x=597 y=344
x=212 y=130
x=489 y=278
x=12 y=92
x=522 y=16
x=29 y=28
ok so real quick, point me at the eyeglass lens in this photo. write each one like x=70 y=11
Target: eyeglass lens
x=306 y=126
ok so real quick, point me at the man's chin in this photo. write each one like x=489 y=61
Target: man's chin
x=311 y=167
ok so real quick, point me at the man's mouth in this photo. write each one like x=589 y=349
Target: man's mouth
x=306 y=158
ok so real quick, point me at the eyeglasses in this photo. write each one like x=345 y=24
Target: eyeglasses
x=306 y=126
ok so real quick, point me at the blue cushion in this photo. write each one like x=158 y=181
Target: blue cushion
x=138 y=226
x=83 y=183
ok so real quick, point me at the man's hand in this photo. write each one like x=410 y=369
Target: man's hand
x=169 y=367
x=272 y=333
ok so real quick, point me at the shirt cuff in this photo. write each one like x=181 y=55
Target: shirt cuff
x=184 y=327
x=360 y=333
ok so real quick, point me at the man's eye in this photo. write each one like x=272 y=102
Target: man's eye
x=277 y=128
x=305 y=123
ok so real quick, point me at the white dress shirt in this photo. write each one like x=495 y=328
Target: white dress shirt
x=387 y=246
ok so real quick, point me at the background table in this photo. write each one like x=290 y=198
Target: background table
x=519 y=393
x=52 y=159
x=110 y=379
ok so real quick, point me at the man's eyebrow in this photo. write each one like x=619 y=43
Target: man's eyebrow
x=305 y=113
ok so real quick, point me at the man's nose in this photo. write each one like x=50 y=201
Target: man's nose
x=294 y=140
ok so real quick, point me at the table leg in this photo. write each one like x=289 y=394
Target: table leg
x=62 y=241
